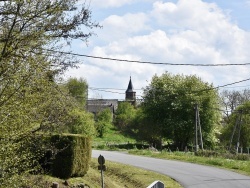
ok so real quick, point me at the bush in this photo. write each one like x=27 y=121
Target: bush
x=73 y=157
x=224 y=154
x=207 y=153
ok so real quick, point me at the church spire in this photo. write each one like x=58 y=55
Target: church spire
x=130 y=86
x=130 y=94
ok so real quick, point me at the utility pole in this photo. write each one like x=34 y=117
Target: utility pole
x=238 y=140
x=198 y=129
x=237 y=125
x=199 y=125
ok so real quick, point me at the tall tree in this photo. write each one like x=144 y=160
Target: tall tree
x=78 y=88
x=82 y=122
x=231 y=99
x=103 y=121
x=125 y=115
x=31 y=32
x=237 y=128
x=168 y=109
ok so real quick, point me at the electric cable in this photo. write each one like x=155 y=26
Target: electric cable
x=148 y=62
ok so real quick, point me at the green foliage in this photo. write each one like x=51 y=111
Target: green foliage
x=125 y=115
x=233 y=123
x=78 y=88
x=112 y=136
x=103 y=122
x=168 y=109
x=73 y=157
x=223 y=154
x=82 y=122
x=117 y=175
x=30 y=99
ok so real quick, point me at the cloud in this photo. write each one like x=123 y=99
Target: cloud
x=248 y=3
x=110 y=3
x=183 y=32
x=101 y=4
x=206 y=24
x=116 y=27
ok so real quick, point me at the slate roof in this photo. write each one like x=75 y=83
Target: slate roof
x=97 y=105
x=130 y=88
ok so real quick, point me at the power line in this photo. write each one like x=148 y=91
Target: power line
x=105 y=90
x=108 y=91
x=149 y=62
x=232 y=83
x=111 y=88
x=195 y=91
x=239 y=86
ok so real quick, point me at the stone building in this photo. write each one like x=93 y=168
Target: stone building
x=96 y=105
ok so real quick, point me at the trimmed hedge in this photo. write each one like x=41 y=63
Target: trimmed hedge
x=73 y=157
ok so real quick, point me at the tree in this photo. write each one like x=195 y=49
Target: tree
x=237 y=128
x=39 y=108
x=231 y=99
x=78 y=88
x=124 y=115
x=31 y=32
x=103 y=122
x=168 y=109
x=82 y=122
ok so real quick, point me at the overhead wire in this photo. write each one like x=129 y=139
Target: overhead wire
x=194 y=91
x=156 y=63
x=111 y=88
x=149 y=62
x=108 y=91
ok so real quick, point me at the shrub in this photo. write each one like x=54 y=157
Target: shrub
x=225 y=155
x=207 y=153
x=73 y=157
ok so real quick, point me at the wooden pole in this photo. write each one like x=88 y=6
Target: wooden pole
x=102 y=178
x=199 y=124
x=196 y=128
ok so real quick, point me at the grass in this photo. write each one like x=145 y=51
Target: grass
x=112 y=136
x=116 y=176
x=239 y=163
x=240 y=166
x=122 y=176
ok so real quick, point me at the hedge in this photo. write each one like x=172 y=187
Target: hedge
x=73 y=155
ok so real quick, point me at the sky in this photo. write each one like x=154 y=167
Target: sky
x=164 y=31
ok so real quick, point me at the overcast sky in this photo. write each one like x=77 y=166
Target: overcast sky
x=166 y=31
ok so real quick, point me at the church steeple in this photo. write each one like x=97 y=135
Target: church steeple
x=130 y=86
x=130 y=94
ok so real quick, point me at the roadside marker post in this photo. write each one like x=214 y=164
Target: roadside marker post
x=102 y=167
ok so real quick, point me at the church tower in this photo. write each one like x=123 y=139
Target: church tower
x=130 y=93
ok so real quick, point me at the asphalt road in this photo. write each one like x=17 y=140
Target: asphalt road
x=187 y=174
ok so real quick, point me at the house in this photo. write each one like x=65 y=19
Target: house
x=96 y=105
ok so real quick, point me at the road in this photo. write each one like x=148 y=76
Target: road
x=187 y=174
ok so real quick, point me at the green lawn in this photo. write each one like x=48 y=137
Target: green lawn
x=241 y=166
x=112 y=136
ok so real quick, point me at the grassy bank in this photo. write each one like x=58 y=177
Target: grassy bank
x=112 y=136
x=241 y=166
x=116 y=176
